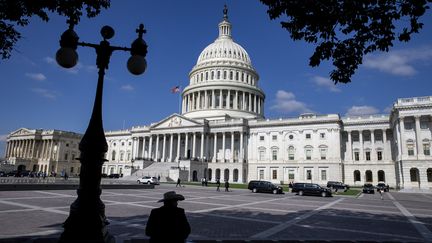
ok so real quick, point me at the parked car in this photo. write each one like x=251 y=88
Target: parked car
x=104 y=175
x=264 y=186
x=114 y=176
x=2 y=173
x=12 y=173
x=368 y=188
x=382 y=186
x=24 y=173
x=310 y=189
x=148 y=180
x=337 y=185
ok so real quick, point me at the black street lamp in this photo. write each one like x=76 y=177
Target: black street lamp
x=87 y=221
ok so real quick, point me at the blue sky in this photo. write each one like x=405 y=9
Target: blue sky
x=37 y=93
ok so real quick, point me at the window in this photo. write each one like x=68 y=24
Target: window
x=128 y=156
x=379 y=155
x=274 y=137
x=322 y=135
x=308 y=152
x=409 y=125
x=113 y=155
x=121 y=156
x=72 y=170
x=291 y=153
x=414 y=174
x=122 y=143
x=308 y=174
x=261 y=138
x=218 y=75
x=356 y=156
x=274 y=154
x=323 y=153
x=356 y=175
x=261 y=174
x=130 y=143
x=291 y=175
x=323 y=175
x=410 y=147
x=67 y=145
x=274 y=174
x=426 y=147
x=262 y=154
x=368 y=153
x=73 y=156
x=224 y=75
x=308 y=136
x=66 y=156
x=212 y=75
x=424 y=124
x=429 y=175
x=291 y=137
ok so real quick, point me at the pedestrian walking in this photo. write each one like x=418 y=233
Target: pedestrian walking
x=178 y=182
x=168 y=223
x=66 y=176
x=217 y=184
x=227 y=186
x=158 y=178
x=381 y=194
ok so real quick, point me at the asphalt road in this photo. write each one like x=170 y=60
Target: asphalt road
x=238 y=214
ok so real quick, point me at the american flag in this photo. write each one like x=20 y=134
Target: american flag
x=175 y=89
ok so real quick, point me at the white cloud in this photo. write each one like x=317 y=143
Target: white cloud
x=325 y=83
x=399 y=62
x=388 y=109
x=361 y=111
x=127 y=87
x=46 y=93
x=49 y=60
x=3 y=137
x=36 y=76
x=286 y=103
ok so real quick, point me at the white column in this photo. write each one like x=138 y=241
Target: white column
x=259 y=105
x=361 y=145
x=385 y=150
x=135 y=142
x=220 y=99
x=215 y=148
x=202 y=146
x=402 y=143
x=232 y=147
x=43 y=149
x=241 y=153
x=199 y=101
x=157 y=147
x=143 y=147
x=228 y=100
x=171 y=148
x=349 y=152
x=206 y=146
x=205 y=100
x=236 y=100
x=213 y=99
x=194 y=145
x=244 y=100
x=250 y=102
x=255 y=103
x=178 y=146
x=150 y=154
x=163 y=148
x=7 y=149
x=418 y=137
x=223 y=147
x=373 y=150
x=186 y=145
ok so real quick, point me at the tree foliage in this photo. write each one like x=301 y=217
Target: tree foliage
x=346 y=30
x=18 y=13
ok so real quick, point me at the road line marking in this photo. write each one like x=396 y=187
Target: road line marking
x=56 y=194
x=34 y=207
x=391 y=196
x=284 y=225
x=359 y=231
x=423 y=230
x=38 y=233
x=232 y=206
x=241 y=218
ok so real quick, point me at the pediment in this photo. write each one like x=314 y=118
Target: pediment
x=175 y=120
x=21 y=131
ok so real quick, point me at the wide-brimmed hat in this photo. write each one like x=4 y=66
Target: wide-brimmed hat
x=172 y=195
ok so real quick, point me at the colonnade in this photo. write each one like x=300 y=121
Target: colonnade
x=376 y=145
x=210 y=147
x=30 y=148
x=223 y=99
x=420 y=123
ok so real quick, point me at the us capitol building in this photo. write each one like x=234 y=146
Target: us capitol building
x=222 y=133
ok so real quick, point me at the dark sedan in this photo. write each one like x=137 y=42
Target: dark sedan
x=368 y=188
x=382 y=187
x=310 y=189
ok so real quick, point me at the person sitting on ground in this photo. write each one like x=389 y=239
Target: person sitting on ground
x=168 y=223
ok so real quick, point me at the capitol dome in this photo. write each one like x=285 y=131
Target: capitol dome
x=223 y=82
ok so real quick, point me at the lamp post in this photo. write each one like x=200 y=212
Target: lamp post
x=87 y=221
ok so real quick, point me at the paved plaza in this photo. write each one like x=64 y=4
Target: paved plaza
x=239 y=214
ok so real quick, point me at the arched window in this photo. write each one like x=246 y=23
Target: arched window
x=206 y=75
x=113 y=155
x=291 y=152
x=381 y=175
x=224 y=75
x=210 y=174
x=235 y=175
x=121 y=155
x=218 y=75
x=194 y=175
x=369 y=177
x=414 y=175
x=217 y=174
x=429 y=174
x=201 y=77
x=231 y=75
x=237 y=76
x=212 y=75
x=357 y=176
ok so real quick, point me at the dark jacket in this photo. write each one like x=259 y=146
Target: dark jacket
x=168 y=224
